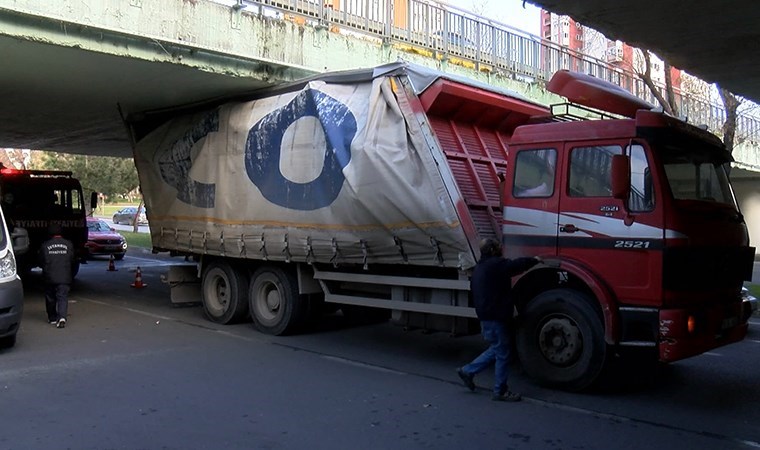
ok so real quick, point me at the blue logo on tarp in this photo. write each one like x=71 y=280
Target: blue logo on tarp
x=263 y=148
x=176 y=164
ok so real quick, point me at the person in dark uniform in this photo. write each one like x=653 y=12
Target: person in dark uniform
x=491 y=286
x=57 y=260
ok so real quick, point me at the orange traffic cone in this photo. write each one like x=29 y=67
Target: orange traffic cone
x=111 y=265
x=138 y=279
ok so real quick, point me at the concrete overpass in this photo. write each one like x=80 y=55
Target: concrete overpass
x=72 y=69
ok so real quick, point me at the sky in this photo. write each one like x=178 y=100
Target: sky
x=510 y=12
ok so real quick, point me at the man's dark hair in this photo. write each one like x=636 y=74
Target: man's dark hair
x=55 y=229
x=490 y=247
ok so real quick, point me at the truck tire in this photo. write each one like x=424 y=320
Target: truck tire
x=276 y=306
x=560 y=340
x=223 y=287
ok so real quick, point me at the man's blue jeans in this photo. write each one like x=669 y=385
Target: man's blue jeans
x=497 y=335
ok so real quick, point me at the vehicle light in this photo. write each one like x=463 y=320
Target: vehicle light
x=691 y=324
x=8 y=265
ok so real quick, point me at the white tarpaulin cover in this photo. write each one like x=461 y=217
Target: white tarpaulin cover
x=331 y=173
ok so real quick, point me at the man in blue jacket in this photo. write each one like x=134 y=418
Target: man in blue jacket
x=491 y=286
x=57 y=259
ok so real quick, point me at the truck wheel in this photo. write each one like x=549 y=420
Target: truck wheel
x=276 y=306
x=560 y=340
x=223 y=288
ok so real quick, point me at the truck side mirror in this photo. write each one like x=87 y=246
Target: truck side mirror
x=93 y=201
x=621 y=176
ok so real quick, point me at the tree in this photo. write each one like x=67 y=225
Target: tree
x=731 y=104
x=107 y=175
x=644 y=71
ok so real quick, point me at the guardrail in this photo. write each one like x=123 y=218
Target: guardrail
x=450 y=32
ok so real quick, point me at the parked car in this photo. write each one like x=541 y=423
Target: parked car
x=126 y=216
x=104 y=240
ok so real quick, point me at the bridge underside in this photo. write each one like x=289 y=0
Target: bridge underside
x=64 y=86
x=78 y=95
x=714 y=40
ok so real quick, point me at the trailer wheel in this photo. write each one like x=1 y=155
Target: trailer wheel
x=560 y=340
x=223 y=288
x=276 y=306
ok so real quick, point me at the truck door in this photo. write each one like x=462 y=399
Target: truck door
x=618 y=240
x=531 y=202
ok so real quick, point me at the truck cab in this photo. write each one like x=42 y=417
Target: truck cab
x=32 y=200
x=640 y=216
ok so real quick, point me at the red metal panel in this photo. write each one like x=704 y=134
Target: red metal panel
x=475 y=155
x=473 y=127
x=596 y=93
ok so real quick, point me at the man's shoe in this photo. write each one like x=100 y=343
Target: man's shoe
x=508 y=396
x=61 y=323
x=53 y=322
x=467 y=379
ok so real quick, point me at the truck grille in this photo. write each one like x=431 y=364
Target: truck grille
x=698 y=268
x=107 y=241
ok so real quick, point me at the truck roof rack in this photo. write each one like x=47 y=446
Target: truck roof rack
x=572 y=112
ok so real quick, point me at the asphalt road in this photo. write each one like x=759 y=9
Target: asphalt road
x=132 y=371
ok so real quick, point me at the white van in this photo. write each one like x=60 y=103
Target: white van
x=11 y=290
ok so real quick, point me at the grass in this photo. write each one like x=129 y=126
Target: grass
x=108 y=210
x=137 y=239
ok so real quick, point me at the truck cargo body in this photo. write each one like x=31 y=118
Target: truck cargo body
x=339 y=176
x=373 y=188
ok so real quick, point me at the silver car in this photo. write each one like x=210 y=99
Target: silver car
x=126 y=216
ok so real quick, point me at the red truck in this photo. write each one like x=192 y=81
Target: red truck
x=372 y=189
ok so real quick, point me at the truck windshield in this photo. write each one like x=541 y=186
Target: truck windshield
x=697 y=176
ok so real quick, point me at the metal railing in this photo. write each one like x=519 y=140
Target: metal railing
x=450 y=32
